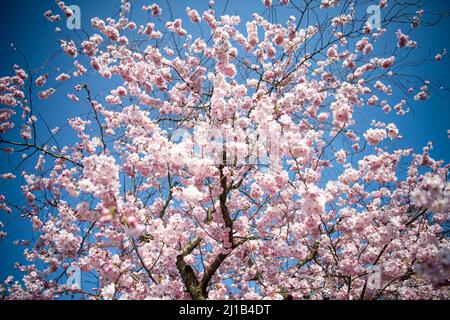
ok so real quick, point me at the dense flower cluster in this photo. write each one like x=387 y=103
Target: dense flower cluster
x=227 y=166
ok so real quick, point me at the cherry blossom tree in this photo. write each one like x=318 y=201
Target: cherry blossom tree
x=232 y=165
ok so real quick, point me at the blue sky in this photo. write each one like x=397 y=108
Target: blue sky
x=22 y=21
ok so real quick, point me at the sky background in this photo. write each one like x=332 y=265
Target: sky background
x=22 y=22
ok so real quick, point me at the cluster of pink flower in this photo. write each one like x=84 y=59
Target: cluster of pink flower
x=329 y=4
x=437 y=269
x=228 y=167
x=375 y=136
x=175 y=26
x=46 y=93
x=403 y=40
x=51 y=17
x=154 y=8
x=64 y=8
x=11 y=92
x=69 y=47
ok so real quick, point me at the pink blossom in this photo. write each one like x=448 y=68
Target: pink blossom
x=41 y=80
x=341 y=156
x=8 y=176
x=154 y=8
x=240 y=154
x=375 y=136
x=112 y=33
x=69 y=48
x=383 y=4
x=73 y=97
x=329 y=4
x=108 y=292
x=193 y=15
x=46 y=94
x=403 y=40
x=62 y=77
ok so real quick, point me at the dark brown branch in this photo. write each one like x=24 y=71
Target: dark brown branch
x=102 y=136
x=187 y=273
x=211 y=271
x=42 y=149
x=143 y=263
x=312 y=255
